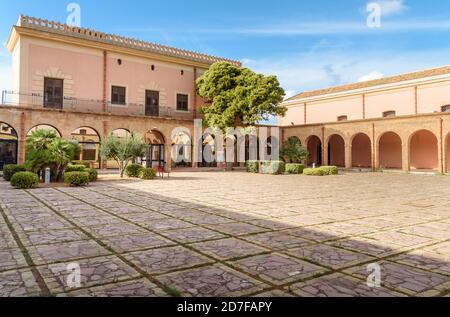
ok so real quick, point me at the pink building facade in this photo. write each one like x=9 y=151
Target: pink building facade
x=62 y=69
x=399 y=123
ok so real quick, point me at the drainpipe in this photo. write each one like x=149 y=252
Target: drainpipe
x=304 y=117
x=323 y=147
x=415 y=100
x=105 y=80
x=374 y=153
x=195 y=93
x=442 y=145
x=364 y=106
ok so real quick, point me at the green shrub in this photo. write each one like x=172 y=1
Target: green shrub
x=252 y=166
x=11 y=169
x=76 y=178
x=93 y=174
x=272 y=167
x=330 y=170
x=313 y=172
x=86 y=164
x=24 y=180
x=147 y=173
x=75 y=168
x=295 y=168
x=134 y=170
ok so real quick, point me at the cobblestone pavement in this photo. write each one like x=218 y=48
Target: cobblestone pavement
x=229 y=234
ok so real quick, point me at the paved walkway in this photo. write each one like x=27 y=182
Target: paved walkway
x=229 y=234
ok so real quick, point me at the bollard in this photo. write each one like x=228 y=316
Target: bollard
x=47 y=176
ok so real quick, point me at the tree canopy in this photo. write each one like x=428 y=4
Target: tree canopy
x=293 y=151
x=123 y=149
x=238 y=95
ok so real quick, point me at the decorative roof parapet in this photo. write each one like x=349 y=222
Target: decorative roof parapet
x=88 y=34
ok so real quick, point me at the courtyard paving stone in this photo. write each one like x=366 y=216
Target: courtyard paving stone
x=230 y=234
x=134 y=288
x=96 y=271
x=329 y=256
x=339 y=285
x=12 y=259
x=158 y=261
x=19 y=283
x=130 y=243
x=277 y=240
x=278 y=269
x=212 y=281
x=227 y=249
x=406 y=279
x=60 y=252
x=35 y=238
x=194 y=234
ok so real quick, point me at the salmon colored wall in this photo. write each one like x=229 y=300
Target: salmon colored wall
x=329 y=111
x=337 y=151
x=133 y=74
x=401 y=101
x=86 y=69
x=83 y=71
x=361 y=151
x=295 y=114
x=390 y=151
x=424 y=151
x=431 y=98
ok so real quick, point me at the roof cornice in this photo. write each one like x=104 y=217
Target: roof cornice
x=45 y=29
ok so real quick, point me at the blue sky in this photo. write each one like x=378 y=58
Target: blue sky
x=308 y=44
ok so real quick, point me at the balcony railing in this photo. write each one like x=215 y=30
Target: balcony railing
x=11 y=98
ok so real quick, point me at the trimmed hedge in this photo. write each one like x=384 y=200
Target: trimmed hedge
x=75 y=168
x=11 y=169
x=134 y=170
x=93 y=174
x=252 y=166
x=272 y=167
x=294 y=168
x=76 y=178
x=330 y=170
x=313 y=172
x=86 y=164
x=147 y=173
x=24 y=180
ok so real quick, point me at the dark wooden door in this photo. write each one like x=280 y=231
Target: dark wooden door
x=53 y=93
x=152 y=103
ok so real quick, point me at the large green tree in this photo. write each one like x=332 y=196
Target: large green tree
x=123 y=149
x=45 y=148
x=292 y=151
x=236 y=95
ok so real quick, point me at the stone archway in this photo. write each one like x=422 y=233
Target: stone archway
x=336 y=151
x=361 y=151
x=9 y=145
x=314 y=146
x=423 y=149
x=390 y=151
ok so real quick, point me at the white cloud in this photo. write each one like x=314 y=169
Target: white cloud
x=392 y=7
x=371 y=76
x=303 y=72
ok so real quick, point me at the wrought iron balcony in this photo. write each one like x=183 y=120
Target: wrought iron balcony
x=71 y=104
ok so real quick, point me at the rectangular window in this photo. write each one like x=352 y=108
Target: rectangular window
x=182 y=102
x=446 y=108
x=342 y=118
x=118 y=95
x=389 y=114
x=53 y=93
